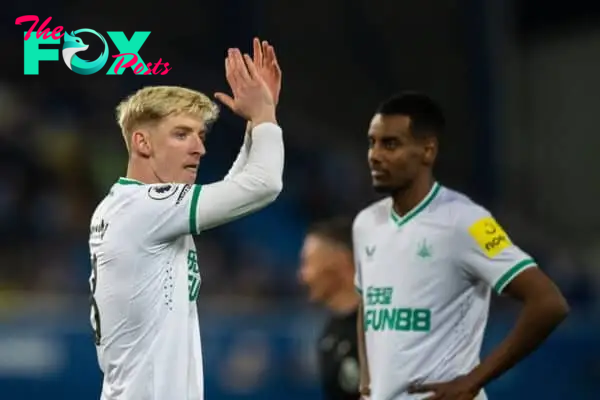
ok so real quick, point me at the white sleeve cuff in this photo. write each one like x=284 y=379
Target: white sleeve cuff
x=268 y=128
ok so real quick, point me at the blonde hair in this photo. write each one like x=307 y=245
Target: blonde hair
x=153 y=103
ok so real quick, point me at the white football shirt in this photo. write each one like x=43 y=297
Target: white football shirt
x=425 y=280
x=146 y=272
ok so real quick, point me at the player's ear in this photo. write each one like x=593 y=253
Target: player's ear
x=140 y=143
x=430 y=150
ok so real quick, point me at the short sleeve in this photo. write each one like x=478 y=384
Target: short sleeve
x=168 y=210
x=357 y=268
x=486 y=251
x=357 y=277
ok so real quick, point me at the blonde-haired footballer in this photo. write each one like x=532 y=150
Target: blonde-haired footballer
x=427 y=259
x=146 y=272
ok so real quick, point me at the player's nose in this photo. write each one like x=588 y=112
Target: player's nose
x=302 y=276
x=374 y=157
x=375 y=161
x=198 y=148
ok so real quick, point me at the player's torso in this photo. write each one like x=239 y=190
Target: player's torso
x=408 y=277
x=419 y=309
x=144 y=297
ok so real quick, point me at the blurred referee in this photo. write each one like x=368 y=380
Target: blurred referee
x=327 y=269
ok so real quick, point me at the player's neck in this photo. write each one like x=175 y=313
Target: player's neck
x=140 y=173
x=344 y=302
x=407 y=199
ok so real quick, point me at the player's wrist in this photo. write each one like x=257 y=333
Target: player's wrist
x=263 y=117
x=476 y=379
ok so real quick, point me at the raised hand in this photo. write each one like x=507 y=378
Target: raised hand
x=266 y=63
x=252 y=99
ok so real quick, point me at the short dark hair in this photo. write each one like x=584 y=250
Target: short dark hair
x=338 y=230
x=426 y=116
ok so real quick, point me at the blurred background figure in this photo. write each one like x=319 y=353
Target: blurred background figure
x=327 y=270
x=519 y=83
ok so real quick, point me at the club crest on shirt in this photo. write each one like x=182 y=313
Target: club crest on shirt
x=161 y=192
x=424 y=250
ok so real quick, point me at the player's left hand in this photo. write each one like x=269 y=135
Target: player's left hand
x=461 y=388
x=265 y=60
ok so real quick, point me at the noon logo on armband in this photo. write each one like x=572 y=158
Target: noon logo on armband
x=490 y=236
x=161 y=192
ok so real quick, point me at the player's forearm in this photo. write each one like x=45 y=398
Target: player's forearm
x=365 y=379
x=242 y=157
x=263 y=171
x=257 y=185
x=536 y=321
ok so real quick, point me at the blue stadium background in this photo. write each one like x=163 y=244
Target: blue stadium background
x=518 y=80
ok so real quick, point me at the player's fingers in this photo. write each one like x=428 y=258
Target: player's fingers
x=231 y=77
x=274 y=62
x=424 y=388
x=267 y=55
x=229 y=71
x=225 y=99
x=229 y=64
x=241 y=71
x=252 y=71
x=258 y=54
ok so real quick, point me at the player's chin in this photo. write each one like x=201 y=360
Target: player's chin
x=189 y=176
x=316 y=296
x=382 y=187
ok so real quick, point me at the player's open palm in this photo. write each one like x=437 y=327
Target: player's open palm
x=266 y=63
x=251 y=99
x=461 y=388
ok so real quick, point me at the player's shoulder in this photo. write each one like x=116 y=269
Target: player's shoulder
x=458 y=209
x=373 y=215
x=164 y=191
x=152 y=194
x=136 y=199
